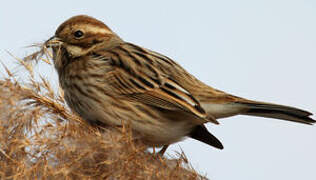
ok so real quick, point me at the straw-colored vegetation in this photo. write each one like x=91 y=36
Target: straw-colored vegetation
x=40 y=138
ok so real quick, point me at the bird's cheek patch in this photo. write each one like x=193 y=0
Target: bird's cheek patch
x=75 y=51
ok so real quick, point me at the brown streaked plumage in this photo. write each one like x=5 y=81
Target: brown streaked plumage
x=108 y=80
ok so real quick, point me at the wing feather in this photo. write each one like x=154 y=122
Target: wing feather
x=135 y=77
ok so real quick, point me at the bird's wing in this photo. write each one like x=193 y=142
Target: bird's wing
x=135 y=76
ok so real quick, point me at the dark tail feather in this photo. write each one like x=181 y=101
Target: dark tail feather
x=200 y=133
x=277 y=112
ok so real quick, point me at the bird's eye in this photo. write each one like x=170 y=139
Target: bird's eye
x=78 y=34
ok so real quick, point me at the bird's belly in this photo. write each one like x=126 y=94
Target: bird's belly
x=164 y=134
x=152 y=131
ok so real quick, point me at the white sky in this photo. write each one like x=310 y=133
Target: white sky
x=262 y=50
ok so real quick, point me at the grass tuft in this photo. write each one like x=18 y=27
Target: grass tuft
x=40 y=138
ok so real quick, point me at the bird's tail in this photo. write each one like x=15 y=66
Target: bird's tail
x=254 y=108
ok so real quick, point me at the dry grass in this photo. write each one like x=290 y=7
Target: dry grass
x=40 y=138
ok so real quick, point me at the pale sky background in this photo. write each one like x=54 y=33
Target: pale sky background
x=263 y=50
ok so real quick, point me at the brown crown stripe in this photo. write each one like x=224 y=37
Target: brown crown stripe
x=84 y=20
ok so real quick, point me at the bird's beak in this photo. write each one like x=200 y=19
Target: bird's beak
x=53 y=42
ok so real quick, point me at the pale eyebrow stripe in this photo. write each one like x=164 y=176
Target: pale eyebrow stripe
x=96 y=30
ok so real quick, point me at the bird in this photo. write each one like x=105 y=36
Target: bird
x=110 y=81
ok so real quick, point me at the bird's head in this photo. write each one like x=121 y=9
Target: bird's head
x=82 y=34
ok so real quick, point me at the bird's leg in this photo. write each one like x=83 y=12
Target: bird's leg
x=163 y=150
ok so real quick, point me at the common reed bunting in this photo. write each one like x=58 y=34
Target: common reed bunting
x=110 y=81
